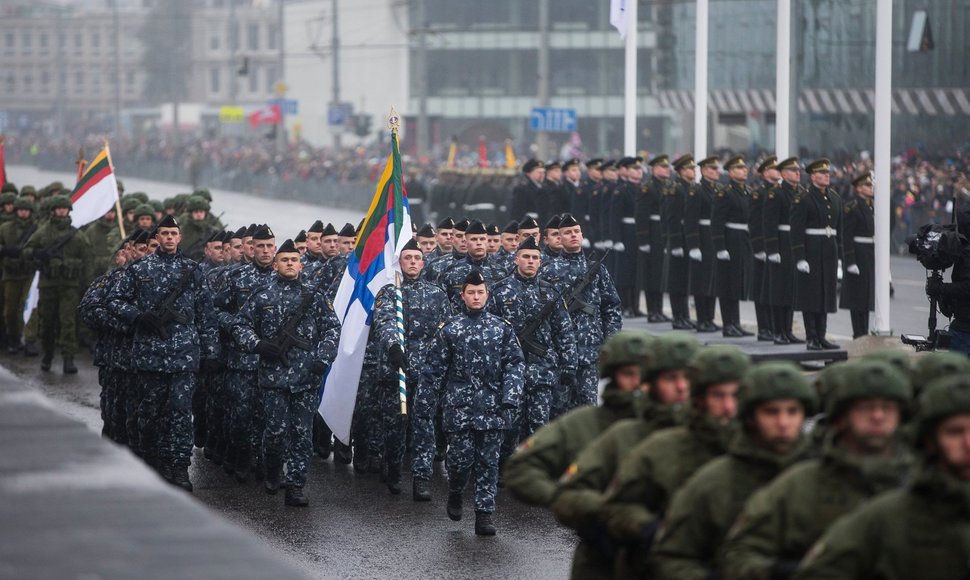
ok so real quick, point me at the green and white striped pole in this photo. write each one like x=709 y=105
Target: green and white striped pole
x=402 y=380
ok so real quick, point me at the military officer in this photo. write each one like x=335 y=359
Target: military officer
x=650 y=264
x=780 y=272
x=769 y=174
x=605 y=212
x=729 y=232
x=554 y=198
x=592 y=186
x=673 y=210
x=858 y=294
x=527 y=196
x=697 y=223
x=816 y=234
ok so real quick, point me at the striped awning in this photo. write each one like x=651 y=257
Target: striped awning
x=948 y=101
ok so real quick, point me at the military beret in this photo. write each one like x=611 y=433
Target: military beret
x=214 y=237
x=414 y=228
x=529 y=243
x=528 y=166
x=769 y=162
x=287 y=247
x=818 y=166
x=348 y=231
x=240 y=233
x=251 y=230
x=446 y=224
x=659 y=161
x=474 y=278
x=790 y=163
x=426 y=231
x=594 y=163
x=554 y=164
x=492 y=230
x=141 y=236
x=570 y=163
x=168 y=222
x=300 y=237
x=461 y=225
x=360 y=226
x=553 y=223
x=511 y=228
x=685 y=161
x=475 y=227
x=412 y=245
x=568 y=221
x=864 y=179
x=529 y=223
x=263 y=232
x=329 y=230
x=736 y=161
x=316 y=228
x=711 y=161
x=227 y=236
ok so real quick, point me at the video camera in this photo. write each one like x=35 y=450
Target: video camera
x=937 y=247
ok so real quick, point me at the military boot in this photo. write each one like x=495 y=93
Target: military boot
x=180 y=478
x=343 y=454
x=295 y=497
x=421 y=490
x=454 y=505
x=274 y=470
x=30 y=348
x=69 y=368
x=45 y=363
x=375 y=464
x=483 y=524
x=394 y=479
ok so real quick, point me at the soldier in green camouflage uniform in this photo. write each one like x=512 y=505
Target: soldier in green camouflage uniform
x=17 y=272
x=196 y=229
x=104 y=236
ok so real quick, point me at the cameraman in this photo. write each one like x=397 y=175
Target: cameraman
x=954 y=298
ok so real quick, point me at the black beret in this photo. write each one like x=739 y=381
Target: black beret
x=476 y=227
x=251 y=230
x=411 y=245
x=492 y=230
x=168 y=222
x=316 y=228
x=287 y=247
x=348 y=231
x=446 y=224
x=141 y=237
x=474 y=278
x=529 y=243
x=528 y=166
x=329 y=231
x=461 y=225
x=511 y=228
x=240 y=233
x=529 y=223
x=226 y=237
x=300 y=237
x=263 y=232
x=360 y=226
x=553 y=223
x=426 y=231
x=568 y=221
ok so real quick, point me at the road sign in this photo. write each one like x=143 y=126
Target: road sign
x=232 y=114
x=552 y=120
x=288 y=106
x=338 y=114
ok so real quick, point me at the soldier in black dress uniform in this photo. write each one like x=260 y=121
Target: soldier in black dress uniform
x=650 y=240
x=781 y=268
x=816 y=238
x=859 y=259
x=759 y=283
x=527 y=196
x=729 y=231
x=624 y=227
x=592 y=187
x=575 y=198
x=678 y=268
x=605 y=209
x=700 y=246
x=553 y=200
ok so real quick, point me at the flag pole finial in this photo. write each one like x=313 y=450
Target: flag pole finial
x=393 y=121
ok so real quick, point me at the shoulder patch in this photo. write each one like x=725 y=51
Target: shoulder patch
x=771 y=194
x=570 y=472
x=797 y=199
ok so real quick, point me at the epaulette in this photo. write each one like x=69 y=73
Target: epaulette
x=797 y=199
x=721 y=192
x=756 y=195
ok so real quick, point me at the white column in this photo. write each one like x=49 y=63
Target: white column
x=630 y=83
x=783 y=104
x=700 y=81
x=883 y=140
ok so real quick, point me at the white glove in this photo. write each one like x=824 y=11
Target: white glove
x=695 y=254
x=607 y=244
x=760 y=256
x=677 y=252
x=645 y=248
x=803 y=267
x=619 y=247
x=774 y=258
x=586 y=243
x=853 y=269
x=723 y=255
x=598 y=245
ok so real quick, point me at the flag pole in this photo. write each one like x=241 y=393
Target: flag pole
x=394 y=124
x=81 y=163
x=118 y=215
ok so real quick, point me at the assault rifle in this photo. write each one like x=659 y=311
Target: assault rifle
x=166 y=311
x=286 y=337
x=574 y=301
x=44 y=255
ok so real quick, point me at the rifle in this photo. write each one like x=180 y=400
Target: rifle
x=286 y=337
x=575 y=302
x=166 y=311
x=55 y=249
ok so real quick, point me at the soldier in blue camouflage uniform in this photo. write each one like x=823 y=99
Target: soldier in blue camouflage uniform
x=242 y=393
x=443 y=237
x=474 y=369
x=504 y=259
x=425 y=308
x=550 y=349
x=289 y=375
x=595 y=319
x=168 y=348
x=313 y=256
x=436 y=269
x=476 y=259
x=426 y=239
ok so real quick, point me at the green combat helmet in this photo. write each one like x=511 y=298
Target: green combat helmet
x=23 y=203
x=204 y=193
x=626 y=347
x=141 y=196
x=196 y=203
x=28 y=190
x=144 y=209
x=935 y=365
x=902 y=360
x=7 y=198
x=942 y=398
x=129 y=203
x=868 y=379
x=771 y=381
x=8 y=187
x=713 y=365
x=671 y=351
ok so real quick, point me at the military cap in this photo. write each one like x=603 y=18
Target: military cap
x=28 y=190
x=240 y=233
x=771 y=381
x=594 y=163
x=214 y=237
x=426 y=231
x=250 y=230
x=716 y=364
x=141 y=236
x=226 y=236
x=316 y=228
x=528 y=166
x=529 y=243
x=129 y=204
x=608 y=164
x=671 y=351
x=462 y=224
x=287 y=247
x=300 y=237
x=204 y=193
x=511 y=228
x=475 y=227
x=360 y=226
x=553 y=223
x=935 y=365
x=736 y=161
x=868 y=379
x=570 y=163
x=23 y=203
x=685 y=161
x=168 y=222
x=492 y=230
x=474 y=278
x=7 y=198
x=627 y=162
x=328 y=231
x=769 y=162
x=348 y=231
x=711 y=161
x=790 y=163
x=568 y=221
x=659 y=160
x=144 y=209
x=818 y=166
x=864 y=179
x=626 y=347
x=141 y=196
x=942 y=398
x=263 y=232
x=59 y=201
x=554 y=164
x=895 y=357
x=9 y=187
x=529 y=223
x=412 y=245
x=446 y=224
x=196 y=203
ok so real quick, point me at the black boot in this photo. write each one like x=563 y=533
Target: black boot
x=30 y=348
x=421 y=490
x=343 y=454
x=295 y=497
x=69 y=368
x=483 y=524
x=394 y=479
x=180 y=478
x=45 y=363
x=274 y=470
x=454 y=505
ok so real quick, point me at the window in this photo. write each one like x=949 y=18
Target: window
x=45 y=81
x=215 y=77
x=213 y=43
x=79 y=81
x=28 y=82
x=252 y=37
x=130 y=82
x=11 y=83
x=26 y=41
x=78 y=40
x=10 y=41
x=271 y=32
x=253 y=79
x=42 y=41
x=271 y=77
x=95 y=40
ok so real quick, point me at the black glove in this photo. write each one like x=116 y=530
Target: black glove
x=209 y=365
x=934 y=287
x=783 y=569
x=395 y=356
x=150 y=322
x=648 y=534
x=568 y=381
x=318 y=367
x=267 y=349
x=11 y=252
x=41 y=255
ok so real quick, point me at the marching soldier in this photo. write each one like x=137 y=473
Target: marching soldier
x=197 y=226
x=104 y=237
x=650 y=264
x=729 y=232
x=476 y=259
x=576 y=193
x=605 y=211
x=776 y=212
x=816 y=233
x=678 y=269
x=300 y=242
x=443 y=236
x=425 y=238
x=858 y=294
x=700 y=244
x=436 y=269
x=592 y=186
x=314 y=248
x=769 y=173
x=554 y=198
x=527 y=196
x=18 y=273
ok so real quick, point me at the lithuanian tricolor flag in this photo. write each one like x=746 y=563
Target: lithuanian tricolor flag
x=96 y=190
